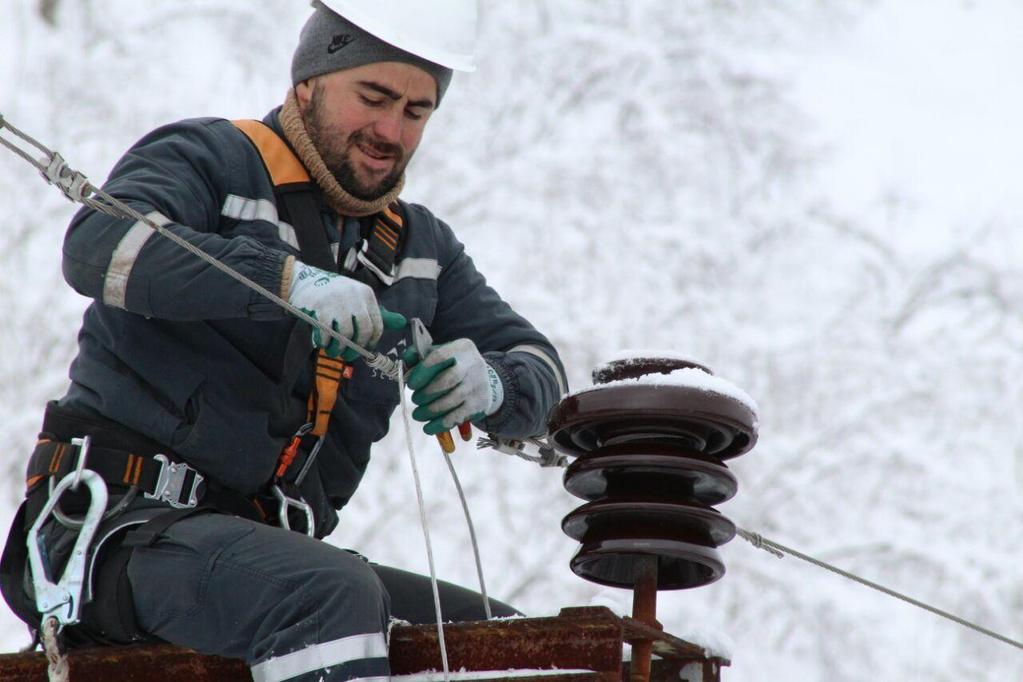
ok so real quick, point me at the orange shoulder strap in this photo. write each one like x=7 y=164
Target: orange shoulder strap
x=280 y=161
x=285 y=168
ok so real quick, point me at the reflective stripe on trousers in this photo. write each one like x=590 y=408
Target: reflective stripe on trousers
x=350 y=658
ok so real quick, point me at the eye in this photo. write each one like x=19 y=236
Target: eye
x=413 y=115
x=370 y=102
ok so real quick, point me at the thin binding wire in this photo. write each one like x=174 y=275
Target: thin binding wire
x=472 y=536
x=426 y=528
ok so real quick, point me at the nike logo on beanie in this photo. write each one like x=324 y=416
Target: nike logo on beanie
x=339 y=41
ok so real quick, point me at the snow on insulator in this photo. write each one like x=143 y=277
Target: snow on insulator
x=696 y=377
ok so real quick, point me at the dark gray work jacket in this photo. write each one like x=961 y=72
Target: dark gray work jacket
x=181 y=353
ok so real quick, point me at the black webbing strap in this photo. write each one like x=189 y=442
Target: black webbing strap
x=122 y=468
x=152 y=530
x=112 y=617
x=298 y=206
x=115 y=466
x=12 y=570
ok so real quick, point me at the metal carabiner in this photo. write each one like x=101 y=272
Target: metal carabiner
x=63 y=600
x=285 y=503
x=83 y=444
x=309 y=459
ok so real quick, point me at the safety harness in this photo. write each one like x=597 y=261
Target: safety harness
x=383 y=234
x=138 y=467
x=377 y=251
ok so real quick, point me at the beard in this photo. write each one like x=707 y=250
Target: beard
x=335 y=148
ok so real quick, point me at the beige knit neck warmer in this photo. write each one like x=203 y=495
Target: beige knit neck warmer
x=338 y=198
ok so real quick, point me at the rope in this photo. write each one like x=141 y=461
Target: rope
x=57 y=668
x=472 y=536
x=77 y=188
x=426 y=528
x=780 y=551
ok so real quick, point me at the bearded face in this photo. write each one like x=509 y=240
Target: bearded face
x=366 y=165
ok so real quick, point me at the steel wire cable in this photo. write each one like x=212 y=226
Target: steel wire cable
x=76 y=187
x=779 y=550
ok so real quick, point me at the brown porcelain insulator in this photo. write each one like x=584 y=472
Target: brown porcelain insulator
x=661 y=472
x=614 y=562
x=676 y=415
x=616 y=534
x=650 y=460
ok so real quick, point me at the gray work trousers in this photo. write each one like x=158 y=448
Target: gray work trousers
x=294 y=608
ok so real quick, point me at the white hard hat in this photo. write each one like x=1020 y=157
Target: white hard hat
x=440 y=31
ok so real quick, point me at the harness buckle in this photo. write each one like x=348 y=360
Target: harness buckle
x=171 y=481
x=285 y=503
x=363 y=257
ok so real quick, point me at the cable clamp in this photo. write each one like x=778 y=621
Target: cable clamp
x=73 y=184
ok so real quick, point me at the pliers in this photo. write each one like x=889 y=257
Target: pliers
x=422 y=341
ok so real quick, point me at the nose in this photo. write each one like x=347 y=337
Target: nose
x=388 y=127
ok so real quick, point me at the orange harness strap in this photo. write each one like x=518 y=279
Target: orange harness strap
x=329 y=373
x=286 y=169
x=283 y=166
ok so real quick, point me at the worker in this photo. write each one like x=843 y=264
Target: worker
x=228 y=432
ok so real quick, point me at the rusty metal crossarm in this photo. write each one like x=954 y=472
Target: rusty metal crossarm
x=552 y=649
x=665 y=645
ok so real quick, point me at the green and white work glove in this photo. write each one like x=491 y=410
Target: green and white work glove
x=347 y=305
x=452 y=385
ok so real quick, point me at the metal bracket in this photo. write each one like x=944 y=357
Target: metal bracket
x=171 y=481
x=387 y=279
x=545 y=455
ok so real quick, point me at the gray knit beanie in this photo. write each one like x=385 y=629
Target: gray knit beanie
x=329 y=42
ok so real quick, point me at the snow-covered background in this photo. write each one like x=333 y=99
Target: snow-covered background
x=819 y=200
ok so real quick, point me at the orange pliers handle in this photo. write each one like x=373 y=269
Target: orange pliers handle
x=447 y=443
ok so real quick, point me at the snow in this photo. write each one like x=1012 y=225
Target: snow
x=687 y=377
x=715 y=641
x=818 y=200
x=617 y=600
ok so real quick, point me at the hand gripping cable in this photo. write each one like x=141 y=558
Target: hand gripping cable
x=77 y=188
